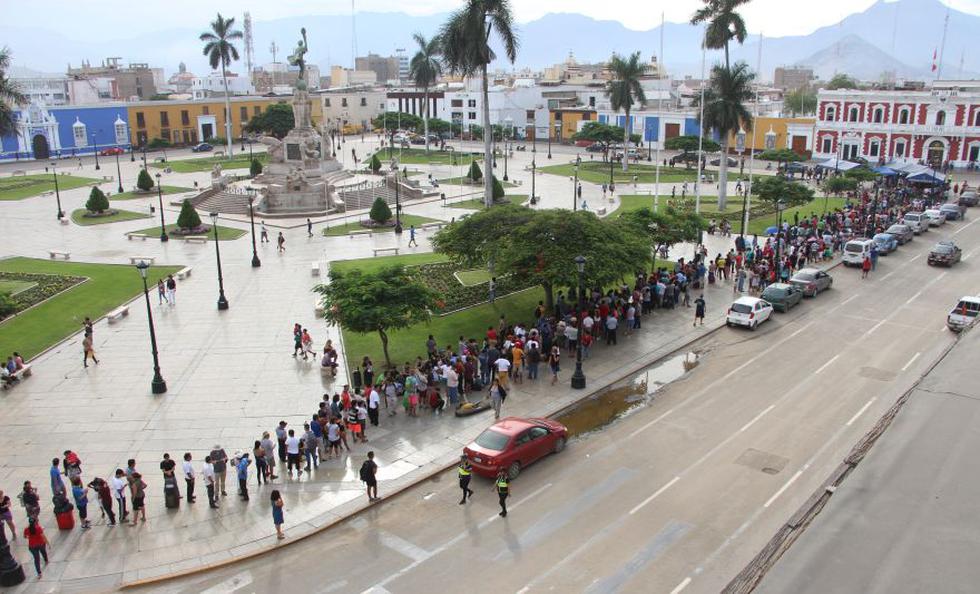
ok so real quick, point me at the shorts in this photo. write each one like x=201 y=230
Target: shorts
x=334 y=443
x=372 y=483
x=354 y=427
x=138 y=502
x=295 y=458
x=7 y=516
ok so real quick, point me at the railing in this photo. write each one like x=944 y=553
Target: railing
x=922 y=129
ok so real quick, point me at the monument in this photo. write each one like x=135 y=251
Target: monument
x=296 y=177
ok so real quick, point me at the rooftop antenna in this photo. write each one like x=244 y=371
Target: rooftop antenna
x=942 y=46
x=273 y=48
x=249 y=44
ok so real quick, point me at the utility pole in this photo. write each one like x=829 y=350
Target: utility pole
x=274 y=49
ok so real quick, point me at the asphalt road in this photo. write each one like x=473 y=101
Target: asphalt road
x=680 y=494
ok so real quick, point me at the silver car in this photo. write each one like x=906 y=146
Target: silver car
x=903 y=233
x=811 y=281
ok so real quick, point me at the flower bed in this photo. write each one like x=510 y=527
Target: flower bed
x=453 y=295
x=45 y=287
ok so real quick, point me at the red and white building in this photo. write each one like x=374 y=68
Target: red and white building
x=930 y=127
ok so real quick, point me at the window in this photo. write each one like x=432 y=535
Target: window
x=827 y=145
x=457 y=103
x=206 y=110
x=538 y=432
x=472 y=115
x=903 y=116
x=976 y=119
x=457 y=116
x=899 y=148
x=165 y=134
x=878 y=115
x=940 y=118
x=974 y=153
x=256 y=111
x=343 y=102
x=853 y=114
x=326 y=102
x=164 y=119
x=471 y=103
x=831 y=113
x=592 y=101
x=529 y=114
x=873 y=148
x=363 y=101
x=243 y=113
x=185 y=118
x=140 y=120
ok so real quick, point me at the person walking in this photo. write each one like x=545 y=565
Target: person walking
x=104 y=493
x=281 y=435
x=497 y=396
x=310 y=449
x=865 y=267
x=208 y=473
x=138 y=489
x=79 y=493
x=309 y=227
x=37 y=543
x=502 y=484
x=171 y=290
x=699 y=306
x=277 y=515
x=261 y=467
x=465 y=471
x=6 y=515
x=31 y=501
x=88 y=351
x=374 y=404
x=243 y=463
x=118 y=484
x=554 y=362
x=369 y=474
x=281 y=243
x=265 y=233
x=411 y=237
x=161 y=291
x=612 y=323
x=220 y=461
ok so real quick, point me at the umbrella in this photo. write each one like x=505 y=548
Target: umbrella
x=772 y=230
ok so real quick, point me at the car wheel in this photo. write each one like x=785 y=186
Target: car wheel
x=513 y=470
x=752 y=326
x=559 y=444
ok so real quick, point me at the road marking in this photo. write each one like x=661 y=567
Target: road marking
x=648 y=553
x=402 y=546
x=889 y=274
x=680 y=587
x=875 y=327
x=757 y=417
x=655 y=495
x=232 y=584
x=965 y=226
x=827 y=364
x=915 y=257
x=647 y=426
x=914 y=297
x=783 y=488
x=911 y=361
x=848 y=300
x=860 y=412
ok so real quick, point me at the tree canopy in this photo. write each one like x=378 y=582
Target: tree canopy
x=839 y=184
x=776 y=187
x=689 y=144
x=600 y=133
x=97 y=202
x=667 y=225
x=479 y=238
x=380 y=211
x=801 y=102
x=625 y=90
x=10 y=95
x=188 y=218
x=144 y=181
x=723 y=24
x=841 y=81
x=779 y=155
x=277 y=120
x=394 y=121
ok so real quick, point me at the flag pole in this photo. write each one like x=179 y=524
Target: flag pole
x=660 y=109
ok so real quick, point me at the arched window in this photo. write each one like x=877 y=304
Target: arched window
x=879 y=114
x=832 y=112
x=827 y=145
x=903 y=116
x=874 y=148
x=853 y=115
x=940 y=118
x=976 y=119
x=899 y=148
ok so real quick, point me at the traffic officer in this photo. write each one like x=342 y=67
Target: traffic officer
x=465 y=472
x=503 y=490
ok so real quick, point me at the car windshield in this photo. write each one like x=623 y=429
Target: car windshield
x=492 y=440
x=741 y=308
x=895 y=229
x=803 y=276
x=912 y=217
x=854 y=248
x=943 y=249
x=773 y=292
x=969 y=308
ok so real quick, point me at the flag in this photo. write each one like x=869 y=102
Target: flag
x=934 y=60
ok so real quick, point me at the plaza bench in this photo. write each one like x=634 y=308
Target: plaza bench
x=117 y=314
x=48 y=193
x=132 y=236
x=318 y=306
x=184 y=273
x=315 y=269
x=137 y=259
x=18 y=172
x=21 y=374
x=219 y=153
x=383 y=250
x=196 y=240
x=353 y=234
x=435 y=225
x=58 y=253
x=600 y=211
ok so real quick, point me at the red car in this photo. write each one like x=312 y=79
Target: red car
x=513 y=443
x=115 y=150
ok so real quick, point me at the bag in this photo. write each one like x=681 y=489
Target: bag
x=365 y=472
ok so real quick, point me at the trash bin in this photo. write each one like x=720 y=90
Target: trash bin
x=153 y=209
x=171 y=494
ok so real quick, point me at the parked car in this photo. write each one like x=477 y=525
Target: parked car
x=782 y=296
x=885 y=242
x=202 y=148
x=811 y=281
x=691 y=158
x=513 y=444
x=794 y=167
x=732 y=161
x=902 y=233
x=953 y=212
x=917 y=221
x=964 y=314
x=113 y=150
x=748 y=312
x=855 y=251
x=935 y=217
x=945 y=252
x=968 y=198
x=416 y=139
x=595 y=147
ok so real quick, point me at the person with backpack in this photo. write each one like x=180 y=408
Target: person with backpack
x=369 y=471
x=533 y=360
x=101 y=488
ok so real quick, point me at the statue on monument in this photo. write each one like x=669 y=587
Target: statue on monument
x=310 y=149
x=297 y=59
x=275 y=150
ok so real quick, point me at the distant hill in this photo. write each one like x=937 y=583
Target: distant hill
x=864 y=61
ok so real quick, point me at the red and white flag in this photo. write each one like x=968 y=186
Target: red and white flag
x=933 y=60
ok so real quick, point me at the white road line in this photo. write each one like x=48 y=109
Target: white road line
x=848 y=300
x=889 y=274
x=915 y=257
x=757 y=417
x=232 y=584
x=655 y=495
x=860 y=412
x=965 y=226
x=911 y=361
x=402 y=546
x=680 y=587
x=875 y=327
x=827 y=364
x=914 y=297
x=783 y=488
x=651 y=423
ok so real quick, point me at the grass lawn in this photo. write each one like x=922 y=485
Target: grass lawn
x=15 y=286
x=42 y=326
x=816 y=206
x=477 y=204
x=709 y=204
x=465 y=181
x=473 y=277
x=239 y=161
x=25 y=186
x=598 y=173
x=224 y=233
x=407 y=221
x=120 y=215
x=367 y=265
x=151 y=194
x=415 y=156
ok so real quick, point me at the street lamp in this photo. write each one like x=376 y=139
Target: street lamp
x=57 y=194
x=222 y=302
x=118 y=173
x=575 y=192
x=95 y=143
x=157 y=386
x=398 y=204
x=780 y=207
x=132 y=151
x=251 y=215
x=505 y=160
x=534 y=153
x=549 y=141
x=578 y=378
x=163 y=227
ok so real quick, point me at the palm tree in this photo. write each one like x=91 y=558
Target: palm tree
x=624 y=91
x=724 y=24
x=425 y=69
x=10 y=96
x=725 y=112
x=221 y=51
x=466 y=50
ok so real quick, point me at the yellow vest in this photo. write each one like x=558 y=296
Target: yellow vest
x=464 y=470
x=502 y=485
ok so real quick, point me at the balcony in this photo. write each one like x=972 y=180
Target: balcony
x=884 y=127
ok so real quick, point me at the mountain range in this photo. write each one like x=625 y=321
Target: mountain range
x=898 y=36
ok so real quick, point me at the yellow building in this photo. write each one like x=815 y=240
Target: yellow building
x=796 y=134
x=193 y=121
x=563 y=123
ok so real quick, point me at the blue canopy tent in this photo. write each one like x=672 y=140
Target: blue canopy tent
x=927 y=177
x=838 y=164
x=886 y=171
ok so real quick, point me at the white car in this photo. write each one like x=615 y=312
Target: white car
x=936 y=217
x=964 y=314
x=748 y=312
x=917 y=221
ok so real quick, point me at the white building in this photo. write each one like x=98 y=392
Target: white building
x=212 y=85
x=40 y=87
x=353 y=108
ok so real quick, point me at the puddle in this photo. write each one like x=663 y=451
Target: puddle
x=627 y=396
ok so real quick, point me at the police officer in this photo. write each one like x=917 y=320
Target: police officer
x=465 y=472
x=503 y=490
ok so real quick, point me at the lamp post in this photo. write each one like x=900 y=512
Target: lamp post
x=132 y=152
x=163 y=226
x=578 y=378
x=144 y=155
x=780 y=207
x=398 y=205
x=549 y=141
x=534 y=153
x=57 y=194
x=505 y=160
x=740 y=148
x=118 y=174
x=251 y=216
x=578 y=160
x=222 y=302
x=157 y=386
x=95 y=143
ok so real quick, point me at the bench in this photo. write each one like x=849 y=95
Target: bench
x=184 y=273
x=137 y=259
x=600 y=211
x=315 y=269
x=196 y=240
x=117 y=314
x=58 y=253
x=48 y=193
x=318 y=306
x=219 y=153
x=435 y=225
x=18 y=172
x=353 y=234
x=21 y=374
x=160 y=160
x=64 y=221
x=131 y=237
x=383 y=250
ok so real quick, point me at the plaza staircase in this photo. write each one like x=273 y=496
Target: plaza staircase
x=363 y=195
x=224 y=202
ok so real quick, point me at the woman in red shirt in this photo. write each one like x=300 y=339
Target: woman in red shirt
x=37 y=542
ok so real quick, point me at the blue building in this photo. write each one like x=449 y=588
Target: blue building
x=65 y=131
x=653 y=126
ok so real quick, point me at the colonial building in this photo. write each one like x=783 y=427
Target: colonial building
x=936 y=127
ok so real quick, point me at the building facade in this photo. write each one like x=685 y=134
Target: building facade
x=790 y=79
x=795 y=134
x=937 y=127
x=191 y=122
x=51 y=132
x=654 y=127
x=130 y=83
x=350 y=109
x=385 y=68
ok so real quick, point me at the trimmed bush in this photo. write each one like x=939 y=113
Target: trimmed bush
x=474 y=174
x=498 y=190
x=375 y=164
x=97 y=201
x=7 y=305
x=380 y=212
x=255 y=168
x=144 y=181
x=159 y=143
x=188 y=218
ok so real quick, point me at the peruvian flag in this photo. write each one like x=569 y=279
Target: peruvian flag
x=934 y=60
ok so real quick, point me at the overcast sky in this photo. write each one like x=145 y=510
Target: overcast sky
x=78 y=19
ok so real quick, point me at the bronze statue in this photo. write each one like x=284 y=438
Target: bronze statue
x=297 y=59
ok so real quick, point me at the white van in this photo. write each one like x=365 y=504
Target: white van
x=856 y=250
x=918 y=221
x=964 y=314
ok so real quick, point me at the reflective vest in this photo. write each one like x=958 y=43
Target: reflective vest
x=502 y=486
x=464 y=470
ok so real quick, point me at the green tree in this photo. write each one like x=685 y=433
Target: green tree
x=466 y=51
x=476 y=131
x=389 y=299
x=97 y=201
x=375 y=163
x=668 y=225
x=599 y=133
x=277 y=120
x=841 y=81
x=689 y=144
x=157 y=143
x=801 y=102
x=474 y=174
x=380 y=212
x=220 y=50
x=7 y=305
x=498 y=190
x=424 y=69
x=839 y=184
x=624 y=90
x=10 y=96
x=861 y=174
x=255 y=168
x=392 y=122
x=723 y=24
x=144 y=181
x=772 y=188
x=188 y=218
x=725 y=111
x=437 y=126
x=784 y=155
x=475 y=242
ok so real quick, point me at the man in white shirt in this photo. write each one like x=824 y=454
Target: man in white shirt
x=452 y=385
x=374 y=406
x=503 y=366
x=208 y=473
x=189 y=476
x=118 y=485
x=292 y=453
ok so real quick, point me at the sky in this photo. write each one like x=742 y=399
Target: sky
x=77 y=19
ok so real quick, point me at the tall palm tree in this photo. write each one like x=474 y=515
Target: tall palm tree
x=221 y=51
x=466 y=50
x=725 y=112
x=10 y=96
x=425 y=69
x=624 y=91
x=724 y=24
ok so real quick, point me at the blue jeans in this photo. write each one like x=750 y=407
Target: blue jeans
x=532 y=371
x=453 y=393
x=311 y=459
